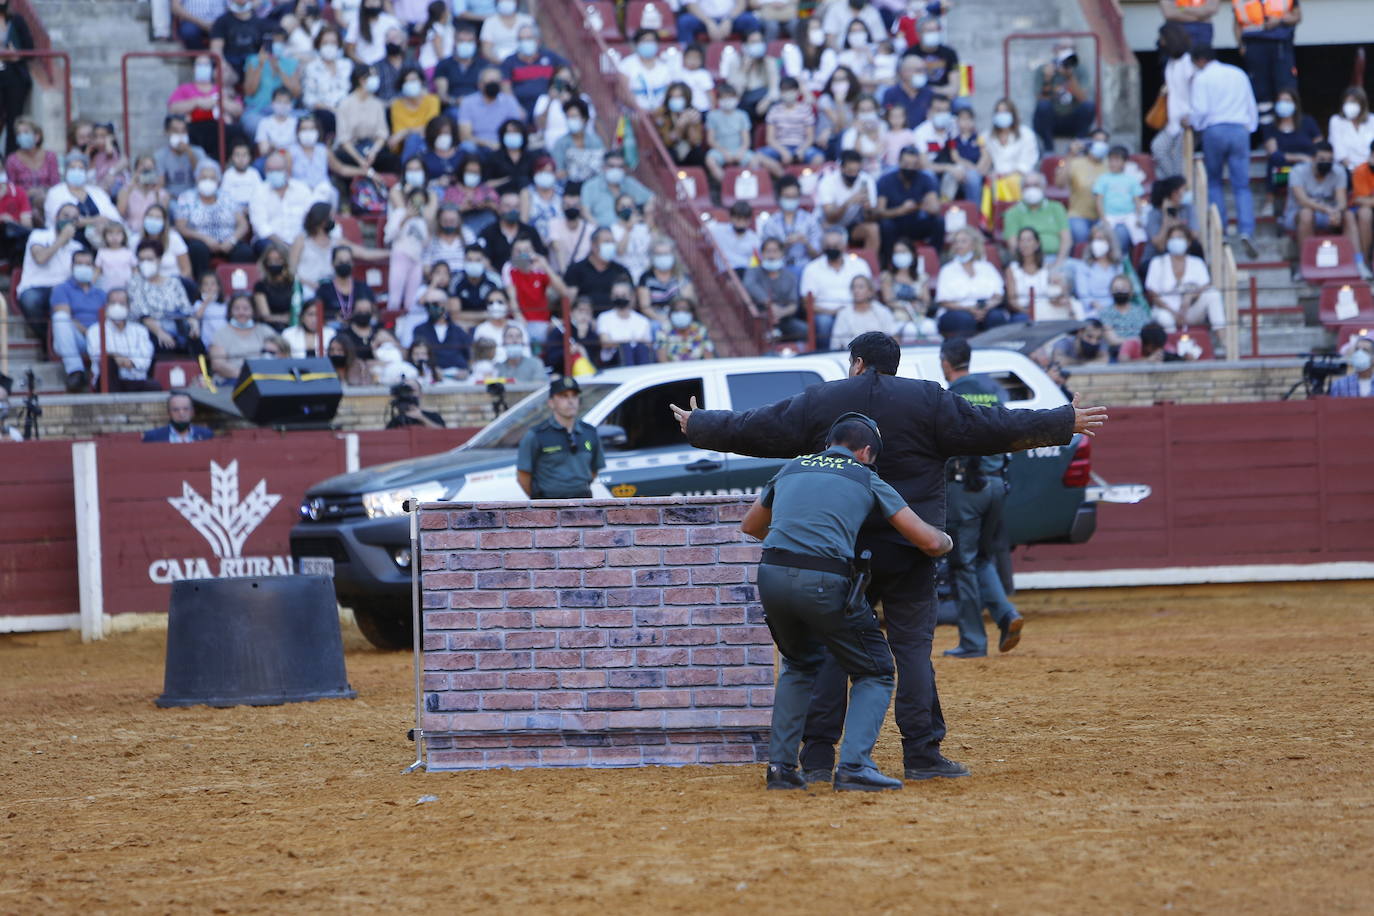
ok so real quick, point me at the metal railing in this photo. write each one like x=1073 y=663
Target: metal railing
x=721 y=296
x=221 y=64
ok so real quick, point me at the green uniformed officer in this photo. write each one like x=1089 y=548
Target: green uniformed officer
x=560 y=457
x=976 y=493
x=808 y=517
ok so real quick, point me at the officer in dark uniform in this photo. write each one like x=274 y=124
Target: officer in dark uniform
x=560 y=457
x=976 y=492
x=924 y=426
x=808 y=517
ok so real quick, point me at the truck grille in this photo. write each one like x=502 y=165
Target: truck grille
x=318 y=547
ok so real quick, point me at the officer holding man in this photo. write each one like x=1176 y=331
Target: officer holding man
x=808 y=517
x=924 y=426
x=976 y=492
x=560 y=457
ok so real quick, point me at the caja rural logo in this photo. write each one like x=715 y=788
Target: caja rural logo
x=225 y=522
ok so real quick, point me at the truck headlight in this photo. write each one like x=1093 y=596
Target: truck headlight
x=388 y=503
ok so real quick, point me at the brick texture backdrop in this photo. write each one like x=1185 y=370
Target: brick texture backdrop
x=593 y=633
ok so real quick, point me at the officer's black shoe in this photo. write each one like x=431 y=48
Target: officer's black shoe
x=76 y=381
x=818 y=775
x=940 y=767
x=1011 y=632
x=964 y=653
x=785 y=777
x=864 y=779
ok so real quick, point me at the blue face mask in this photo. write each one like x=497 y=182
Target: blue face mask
x=964 y=258
x=153 y=225
x=1099 y=149
x=771 y=264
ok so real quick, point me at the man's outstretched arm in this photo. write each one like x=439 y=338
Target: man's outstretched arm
x=963 y=429
x=778 y=430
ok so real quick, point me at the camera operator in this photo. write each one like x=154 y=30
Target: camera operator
x=1360 y=383
x=1065 y=106
x=405 y=408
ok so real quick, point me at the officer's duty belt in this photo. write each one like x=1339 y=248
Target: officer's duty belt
x=775 y=556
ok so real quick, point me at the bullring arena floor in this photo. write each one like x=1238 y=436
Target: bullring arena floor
x=1196 y=751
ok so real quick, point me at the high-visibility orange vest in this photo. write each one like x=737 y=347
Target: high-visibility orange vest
x=1251 y=13
x=1188 y=4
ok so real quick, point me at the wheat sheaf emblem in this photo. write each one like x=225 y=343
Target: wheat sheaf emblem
x=224 y=521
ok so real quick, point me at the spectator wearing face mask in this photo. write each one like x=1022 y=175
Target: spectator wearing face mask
x=450 y=345
x=499 y=318
x=570 y=233
x=529 y=71
x=390 y=67
x=76 y=306
x=600 y=193
x=864 y=314
x=498 y=239
x=93 y=205
x=1317 y=202
x=441 y=157
x=30 y=167
x=685 y=337
x=160 y=302
x=342 y=290
x=627 y=337
x=791 y=130
x=579 y=154
x=644 y=74
x=1047 y=218
x=411 y=111
x=839 y=14
x=501 y=33
x=270 y=69
x=276 y=128
x=1012 y=145
x=176 y=160
x=828 y=281
x=476 y=281
x=968 y=283
x=1059 y=303
x=664 y=282
x=277 y=211
x=1094 y=272
x=942 y=61
x=201 y=104
x=511 y=168
x=449 y=243
x=595 y=275
x=1065 y=106
x=1086 y=347
x=180 y=411
x=310 y=161
x=1351 y=130
x=327 y=78
x=456 y=76
x=477 y=202
x=796 y=228
x=518 y=366
x=754 y=74
x=1171 y=204
x=775 y=293
x=360 y=140
x=236 y=35
x=47 y=264
x=728 y=134
x=1079 y=172
x=241 y=338
x=1126 y=316
x=737 y=240
x=363 y=332
x=530 y=284
x=1360 y=382
x=909 y=206
x=365 y=40
x=241 y=181
x=1180 y=287
x=122 y=348
x=482 y=115
x=304 y=338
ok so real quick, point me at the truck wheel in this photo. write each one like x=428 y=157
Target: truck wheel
x=386 y=624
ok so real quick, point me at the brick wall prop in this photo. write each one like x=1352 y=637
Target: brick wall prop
x=598 y=633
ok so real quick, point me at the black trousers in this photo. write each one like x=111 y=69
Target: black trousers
x=904 y=581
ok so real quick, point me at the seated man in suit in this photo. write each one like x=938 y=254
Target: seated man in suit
x=179 y=428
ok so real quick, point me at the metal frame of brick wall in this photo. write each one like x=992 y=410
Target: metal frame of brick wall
x=598 y=633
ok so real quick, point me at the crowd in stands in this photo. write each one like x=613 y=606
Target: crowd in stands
x=852 y=186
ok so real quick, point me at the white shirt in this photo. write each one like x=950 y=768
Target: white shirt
x=738 y=248
x=700 y=82
x=501 y=37
x=241 y=187
x=930 y=141
x=176 y=246
x=648 y=85
x=955 y=285
x=1038 y=281
x=132 y=341
x=832 y=191
x=296 y=337
x=1350 y=141
x=60 y=194
x=497 y=335
x=1221 y=94
x=369 y=52
x=1050 y=310
x=277 y=134
x=850 y=323
x=1021 y=154
x=1161 y=281
x=794 y=66
x=831 y=286
x=59 y=266
x=1178 y=78
x=838 y=15
x=280 y=215
x=632 y=328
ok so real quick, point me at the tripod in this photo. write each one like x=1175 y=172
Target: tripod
x=31 y=409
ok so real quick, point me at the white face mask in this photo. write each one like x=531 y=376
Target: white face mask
x=207 y=187
x=148 y=269
x=1054 y=290
x=931 y=39
x=176 y=141
x=544 y=179
x=663 y=261
x=919 y=80
x=372 y=83
x=1361 y=360
x=443 y=143
x=607 y=251
x=680 y=319
x=1001 y=119
x=117 y=312
x=1033 y=196
x=575 y=125
x=901 y=259
x=497 y=310
x=858 y=40
x=205 y=73
x=1177 y=245
x=309 y=137
x=614 y=175
x=411 y=89
x=506 y=7
x=329 y=52
x=517 y=351
x=472 y=179
x=1351 y=110
x=1100 y=248
x=816 y=37
x=414 y=179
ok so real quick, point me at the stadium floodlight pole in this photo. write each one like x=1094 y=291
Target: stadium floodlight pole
x=412 y=508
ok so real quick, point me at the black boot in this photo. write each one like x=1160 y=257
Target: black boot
x=782 y=776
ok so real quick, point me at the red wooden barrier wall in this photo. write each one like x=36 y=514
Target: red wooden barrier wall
x=37 y=530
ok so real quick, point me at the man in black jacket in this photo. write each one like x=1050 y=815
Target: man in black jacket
x=922 y=426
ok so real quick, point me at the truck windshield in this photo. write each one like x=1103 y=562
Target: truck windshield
x=507 y=430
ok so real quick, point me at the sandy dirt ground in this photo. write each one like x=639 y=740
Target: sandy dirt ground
x=1195 y=751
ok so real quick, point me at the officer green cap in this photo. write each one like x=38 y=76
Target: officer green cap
x=564 y=383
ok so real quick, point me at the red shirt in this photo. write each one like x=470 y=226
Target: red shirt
x=531 y=293
x=14 y=202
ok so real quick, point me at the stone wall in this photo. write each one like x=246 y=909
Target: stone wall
x=1135 y=385
x=77 y=416
x=593 y=633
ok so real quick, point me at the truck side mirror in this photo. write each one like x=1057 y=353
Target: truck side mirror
x=612 y=436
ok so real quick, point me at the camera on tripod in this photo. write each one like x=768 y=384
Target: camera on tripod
x=1317 y=372
x=403 y=397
